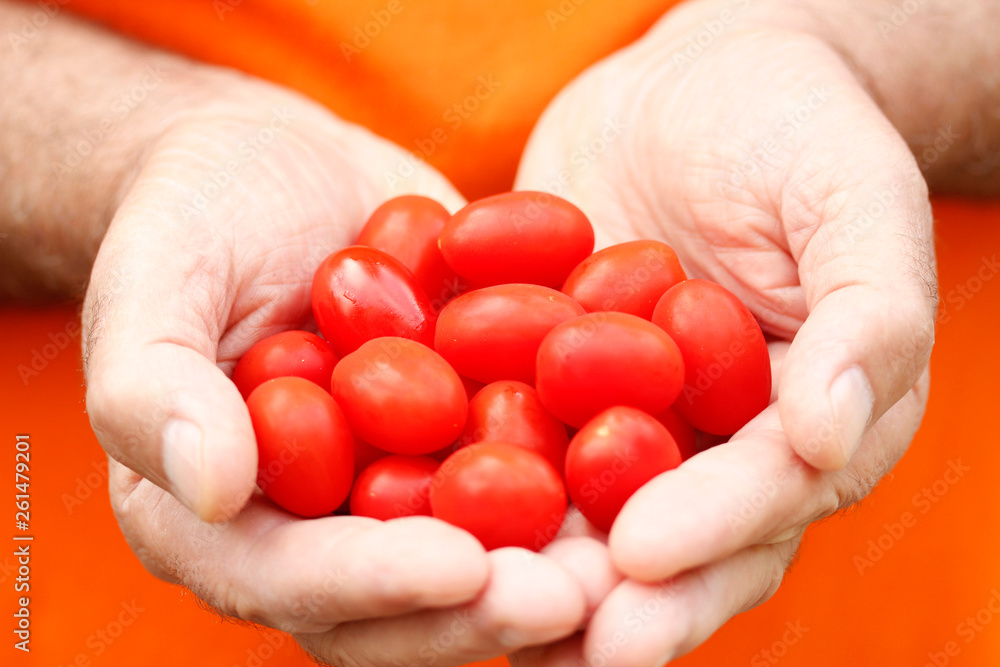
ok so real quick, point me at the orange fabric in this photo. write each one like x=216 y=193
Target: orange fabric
x=910 y=601
x=93 y=604
x=400 y=67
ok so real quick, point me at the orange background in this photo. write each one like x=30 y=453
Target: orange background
x=943 y=568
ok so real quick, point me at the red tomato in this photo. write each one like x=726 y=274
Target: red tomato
x=596 y=361
x=727 y=370
x=494 y=333
x=505 y=495
x=305 y=447
x=394 y=486
x=361 y=293
x=684 y=434
x=400 y=396
x=613 y=455
x=290 y=353
x=408 y=228
x=517 y=237
x=510 y=411
x=628 y=278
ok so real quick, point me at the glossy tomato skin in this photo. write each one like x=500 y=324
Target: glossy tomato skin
x=289 y=353
x=400 y=396
x=361 y=293
x=505 y=495
x=493 y=333
x=510 y=411
x=599 y=360
x=684 y=434
x=727 y=368
x=304 y=444
x=627 y=278
x=517 y=237
x=613 y=455
x=393 y=487
x=408 y=228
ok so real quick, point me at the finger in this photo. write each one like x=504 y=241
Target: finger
x=589 y=562
x=753 y=489
x=651 y=624
x=530 y=600
x=269 y=567
x=156 y=399
x=866 y=263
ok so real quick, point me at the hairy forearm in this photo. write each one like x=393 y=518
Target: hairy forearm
x=79 y=107
x=933 y=66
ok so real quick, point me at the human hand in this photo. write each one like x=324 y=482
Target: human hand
x=769 y=168
x=213 y=248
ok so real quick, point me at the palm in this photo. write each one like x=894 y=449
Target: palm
x=767 y=167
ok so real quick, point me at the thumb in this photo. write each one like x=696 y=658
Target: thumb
x=869 y=278
x=156 y=399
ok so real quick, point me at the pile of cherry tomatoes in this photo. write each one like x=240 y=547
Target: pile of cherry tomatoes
x=487 y=369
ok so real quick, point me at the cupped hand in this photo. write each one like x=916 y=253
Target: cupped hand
x=764 y=162
x=213 y=248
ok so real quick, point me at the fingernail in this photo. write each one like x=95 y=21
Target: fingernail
x=853 y=401
x=182 y=455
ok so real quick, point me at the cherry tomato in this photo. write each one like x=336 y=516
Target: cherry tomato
x=613 y=455
x=505 y=495
x=290 y=353
x=305 y=447
x=408 y=228
x=596 y=361
x=400 y=396
x=628 y=278
x=510 y=411
x=494 y=333
x=394 y=486
x=727 y=370
x=684 y=434
x=361 y=293
x=517 y=237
